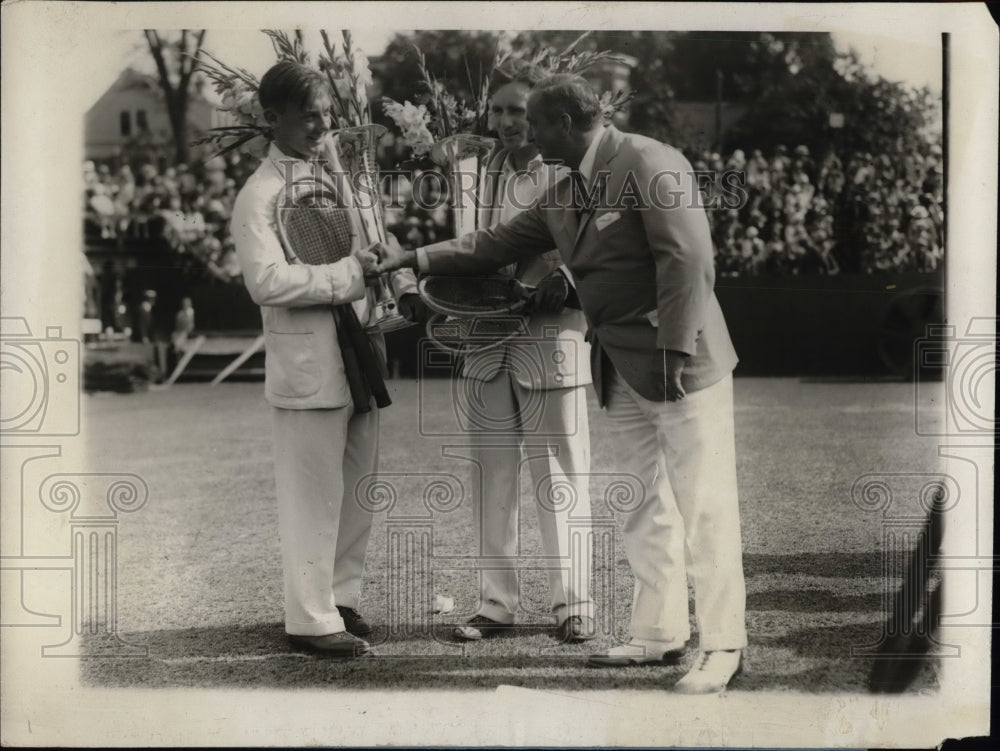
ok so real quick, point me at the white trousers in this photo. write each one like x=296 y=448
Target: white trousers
x=551 y=426
x=688 y=524
x=319 y=456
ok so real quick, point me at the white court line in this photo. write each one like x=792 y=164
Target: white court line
x=231 y=658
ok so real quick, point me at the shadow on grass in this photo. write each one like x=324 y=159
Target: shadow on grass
x=260 y=657
x=826 y=564
x=811 y=660
x=814 y=601
x=798 y=642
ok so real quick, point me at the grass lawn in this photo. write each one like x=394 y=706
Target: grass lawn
x=199 y=579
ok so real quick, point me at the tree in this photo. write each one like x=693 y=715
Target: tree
x=650 y=111
x=176 y=61
x=880 y=116
x=788 y=82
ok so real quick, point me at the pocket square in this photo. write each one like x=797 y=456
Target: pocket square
x=605 y=219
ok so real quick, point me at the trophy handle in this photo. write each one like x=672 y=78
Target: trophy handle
x=466 y=157
x=357 y=152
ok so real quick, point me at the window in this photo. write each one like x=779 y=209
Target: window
x=126 y=123
x=141 y=123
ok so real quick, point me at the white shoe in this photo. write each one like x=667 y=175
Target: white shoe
x=712 y=672
x=638 y=652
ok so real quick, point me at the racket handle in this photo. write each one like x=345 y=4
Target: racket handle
x=356 y=381
x=368 y=361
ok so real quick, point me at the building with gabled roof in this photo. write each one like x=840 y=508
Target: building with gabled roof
x=132 y=114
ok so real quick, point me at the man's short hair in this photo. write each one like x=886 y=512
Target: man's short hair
x=515 y=71
x=292 y=83
x=570 y=94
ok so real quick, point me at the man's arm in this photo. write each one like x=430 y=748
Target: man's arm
x=681 y=244
x=271 y=280
x=480 y=252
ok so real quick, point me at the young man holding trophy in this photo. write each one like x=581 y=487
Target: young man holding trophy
x=325 y=436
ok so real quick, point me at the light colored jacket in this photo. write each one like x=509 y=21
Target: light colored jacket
x=642 y=263
x=553 y=354
x=303 y=365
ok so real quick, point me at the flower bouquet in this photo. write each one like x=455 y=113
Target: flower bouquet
x=452 y=132
x=349 y=151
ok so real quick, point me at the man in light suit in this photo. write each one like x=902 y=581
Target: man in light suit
x=323 y=444
x=641 y=256
x=530 y=393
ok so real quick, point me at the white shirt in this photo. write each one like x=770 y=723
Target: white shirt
x=517 y=190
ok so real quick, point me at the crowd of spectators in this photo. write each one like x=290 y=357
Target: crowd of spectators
x=780 y=213
x=787 y=213
x=187 y=207
x=792 y=214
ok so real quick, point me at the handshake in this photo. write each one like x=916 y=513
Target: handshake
x=549 y=296
x=383 y=257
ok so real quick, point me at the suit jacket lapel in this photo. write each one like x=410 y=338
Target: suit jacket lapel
x=582 y=225
x=606 y=150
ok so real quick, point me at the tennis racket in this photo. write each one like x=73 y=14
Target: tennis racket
x=313 y=226
x=474 y=314
x=316 y=228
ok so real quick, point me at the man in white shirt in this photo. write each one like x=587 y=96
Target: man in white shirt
x=529 y=393
x=642 y=260
x=323 y=443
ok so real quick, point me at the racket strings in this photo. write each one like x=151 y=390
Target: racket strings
x=318 y=233
x=459 y=295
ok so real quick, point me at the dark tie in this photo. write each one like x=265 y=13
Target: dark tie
x=579 y=195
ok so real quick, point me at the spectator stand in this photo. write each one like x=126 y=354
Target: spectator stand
x=827 y=265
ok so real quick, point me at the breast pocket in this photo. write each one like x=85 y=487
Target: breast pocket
x=291 y=366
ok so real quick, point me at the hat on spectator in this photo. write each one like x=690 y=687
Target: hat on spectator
x=802 y=150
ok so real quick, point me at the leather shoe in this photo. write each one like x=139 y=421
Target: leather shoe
x=354 y=622
x=634 y=653
x=479 y=627
x=712 y=672
x=340 y=646
x=576 y=629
